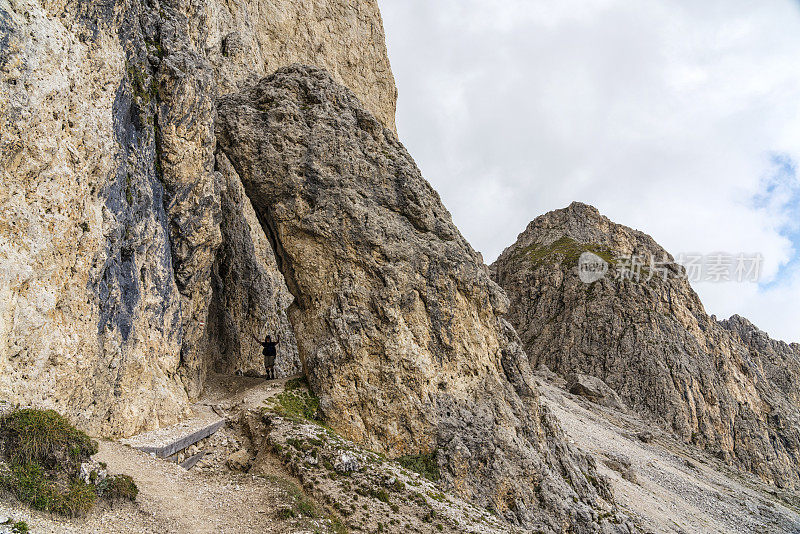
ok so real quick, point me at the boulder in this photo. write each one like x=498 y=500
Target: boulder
x=239 y=460
x=92 y=472
x=595 y=390
x=347 y=463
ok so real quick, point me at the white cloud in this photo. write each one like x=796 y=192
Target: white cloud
x=661 y=114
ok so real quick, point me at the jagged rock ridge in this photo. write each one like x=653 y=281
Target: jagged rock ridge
x=725 y=387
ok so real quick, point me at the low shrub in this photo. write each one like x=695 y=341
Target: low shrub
x=118 y=488
x=44 y=453
x=46 y=438
x=77 y=500
x=41 y=490
x=424 y=464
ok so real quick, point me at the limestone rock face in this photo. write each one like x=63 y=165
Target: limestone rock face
x=246 y=40
x=777 y=361
x=398 y=325
x=724 y=387
x=111 y=205
x=89 y=314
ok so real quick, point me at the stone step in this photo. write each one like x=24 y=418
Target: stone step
x=192 y=460
x=168 y=441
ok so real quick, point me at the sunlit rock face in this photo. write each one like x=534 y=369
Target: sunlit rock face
x=112 y=207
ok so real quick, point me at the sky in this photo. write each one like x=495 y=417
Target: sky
x=679 y=118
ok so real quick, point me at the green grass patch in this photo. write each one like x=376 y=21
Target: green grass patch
x=286 y=513
x=566 y=251
x=44 y=454
x=438 y=496
x=299 y=444
x=118 y=488
x=380 y=494
x=46 y=438
x=296 y=404
x=307 y=508
x=301 y=504
x=32 y=485
x=424 y=464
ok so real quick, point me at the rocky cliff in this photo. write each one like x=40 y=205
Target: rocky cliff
x=118 y=227
x=725 y=387
x=133 y=263
x=398 y=324
x=778 y=362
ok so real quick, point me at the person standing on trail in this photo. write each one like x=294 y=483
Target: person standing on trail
x=269 y=351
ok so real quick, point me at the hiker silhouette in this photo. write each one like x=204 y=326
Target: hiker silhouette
x=269 y=350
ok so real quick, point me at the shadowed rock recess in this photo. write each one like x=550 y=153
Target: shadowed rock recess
x=397 y=322
x=725 y=387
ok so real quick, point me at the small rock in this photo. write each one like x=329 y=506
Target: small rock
x=595 y=390
x=92 y=472
x=4 y=519
x=346 y=463
x=645 y=436
x=239 y=460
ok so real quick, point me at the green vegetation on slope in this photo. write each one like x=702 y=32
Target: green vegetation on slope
x=424 y=464
x=44 y=453
x=44 y=437
x=296 y=403
x=565 y=251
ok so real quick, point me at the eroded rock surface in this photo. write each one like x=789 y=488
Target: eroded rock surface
x=111 y=205
x=398 y=324
x=651 y=340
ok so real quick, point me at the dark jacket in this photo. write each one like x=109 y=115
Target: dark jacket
x=269 y=348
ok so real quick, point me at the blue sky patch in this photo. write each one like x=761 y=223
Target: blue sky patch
x=780 y=195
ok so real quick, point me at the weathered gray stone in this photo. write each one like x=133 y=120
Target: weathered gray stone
x=594 y=389
x=652 y=342
x=398 y=325
x=239 y=460
x=346 y=463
